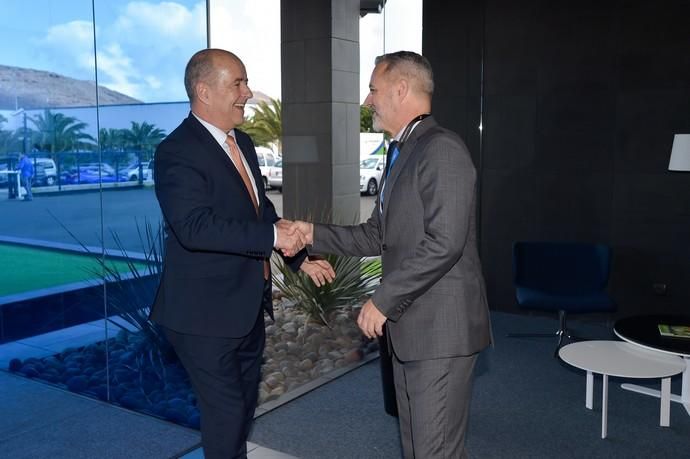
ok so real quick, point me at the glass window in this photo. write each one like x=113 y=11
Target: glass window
x=83 y=208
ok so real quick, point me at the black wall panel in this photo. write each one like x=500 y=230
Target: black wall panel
x=579 y=103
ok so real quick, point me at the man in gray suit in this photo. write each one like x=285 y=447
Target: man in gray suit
x=432 y=297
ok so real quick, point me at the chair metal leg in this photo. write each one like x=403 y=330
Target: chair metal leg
x=562 y=333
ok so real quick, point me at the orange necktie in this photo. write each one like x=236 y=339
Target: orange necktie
x=236 y=157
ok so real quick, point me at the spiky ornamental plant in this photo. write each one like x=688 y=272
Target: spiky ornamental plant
x=130 y=294
x=355 y=277
x=132 y=300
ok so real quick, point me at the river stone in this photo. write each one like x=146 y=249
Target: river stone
x=306 y=365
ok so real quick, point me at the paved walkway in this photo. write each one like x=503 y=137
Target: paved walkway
x=39 y=420
x=43 y=421
x=49 y=216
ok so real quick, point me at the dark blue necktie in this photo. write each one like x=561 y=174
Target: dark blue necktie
x=391 y=156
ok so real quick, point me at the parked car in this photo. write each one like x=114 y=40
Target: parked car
x=267 y=159
x=370 y=171
x=89 y=173
x=45 y=172
x=275 y=176
x=3 y=174
x=133 y=170
x=150 y=176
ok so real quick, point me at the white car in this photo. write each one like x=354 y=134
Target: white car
x=132 y=172
x=275 y=176
x=267 y=160
x=370 y=172
x=45 y=172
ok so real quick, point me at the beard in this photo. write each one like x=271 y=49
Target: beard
x=376 y=122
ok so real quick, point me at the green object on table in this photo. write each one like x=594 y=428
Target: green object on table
x=674 y=331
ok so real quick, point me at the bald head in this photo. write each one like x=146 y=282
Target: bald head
x=203 y=67
x=217 y=86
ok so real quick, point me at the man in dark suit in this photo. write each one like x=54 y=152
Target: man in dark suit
x=432 y=296
x=220 y=231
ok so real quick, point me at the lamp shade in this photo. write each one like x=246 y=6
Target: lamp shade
x=680 y=153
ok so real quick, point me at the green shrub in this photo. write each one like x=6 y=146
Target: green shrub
x=355 y=278
x=130 y=294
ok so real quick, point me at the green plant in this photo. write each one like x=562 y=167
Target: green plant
x=130 y=294
x=355 y=278
x=56 y=132
x=143 y=137
x=265 y=125
x=366 y=121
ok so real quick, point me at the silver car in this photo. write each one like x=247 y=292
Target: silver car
x=370 y=172
x=275 y=175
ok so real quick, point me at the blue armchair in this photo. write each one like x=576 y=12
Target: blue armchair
x=567 y=277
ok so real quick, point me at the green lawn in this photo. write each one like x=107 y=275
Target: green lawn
x=30 y=268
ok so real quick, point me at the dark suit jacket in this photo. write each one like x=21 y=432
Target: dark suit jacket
x=432 y=290
x=215 y=246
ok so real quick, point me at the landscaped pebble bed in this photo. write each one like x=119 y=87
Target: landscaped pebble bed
x=297 y=352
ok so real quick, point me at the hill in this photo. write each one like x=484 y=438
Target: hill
x=29 y=89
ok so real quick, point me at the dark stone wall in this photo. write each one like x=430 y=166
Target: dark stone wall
x=31 y=314
x=579 y=102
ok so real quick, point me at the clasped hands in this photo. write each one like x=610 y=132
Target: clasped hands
x=293 y=236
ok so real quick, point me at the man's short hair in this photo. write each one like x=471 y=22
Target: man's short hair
x=412 y=66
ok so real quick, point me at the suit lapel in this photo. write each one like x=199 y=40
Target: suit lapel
x=408 y=150
x=210 y=145
x=218 y=153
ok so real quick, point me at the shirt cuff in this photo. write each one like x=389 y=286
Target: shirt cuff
x=275 y=235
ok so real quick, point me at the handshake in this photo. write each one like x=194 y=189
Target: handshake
x=293 y=236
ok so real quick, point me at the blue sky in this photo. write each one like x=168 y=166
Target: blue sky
x=144 y=45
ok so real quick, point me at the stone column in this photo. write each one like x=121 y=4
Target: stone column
x=320 y=91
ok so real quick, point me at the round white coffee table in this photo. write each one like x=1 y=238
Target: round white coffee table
x=617 y=358
x=643 y=331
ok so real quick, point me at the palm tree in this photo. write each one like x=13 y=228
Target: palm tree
x=112 y=139
x=56 y=132
x=5 y=137
x=112 y=142
x=265 y=126
x=11 y=141
x=144 y=138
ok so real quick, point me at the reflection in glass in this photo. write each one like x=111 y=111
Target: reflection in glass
x=94 y=216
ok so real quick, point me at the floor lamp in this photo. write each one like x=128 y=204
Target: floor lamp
x=680 y=153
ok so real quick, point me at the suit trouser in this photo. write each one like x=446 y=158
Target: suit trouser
x=225 y=374
x=433 y=405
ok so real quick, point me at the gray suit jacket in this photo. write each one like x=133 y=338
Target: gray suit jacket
x=432 y=290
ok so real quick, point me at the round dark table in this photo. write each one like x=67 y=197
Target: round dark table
x=644 y=332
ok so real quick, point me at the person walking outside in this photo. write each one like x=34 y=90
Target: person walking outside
x=25 y=168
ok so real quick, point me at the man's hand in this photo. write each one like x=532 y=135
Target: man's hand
x=289 y=239
x=307 y=229
x=371 y=320
x=320 y=271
